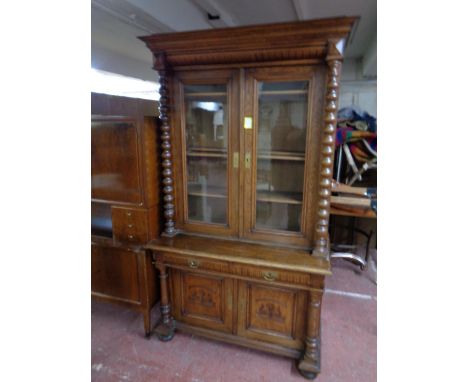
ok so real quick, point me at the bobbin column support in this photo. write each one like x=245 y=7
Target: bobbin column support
x=309 y=364
x=165 y=328
x=333 y=59
x=160 y=64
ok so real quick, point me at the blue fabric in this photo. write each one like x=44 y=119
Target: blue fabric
x=354 y=113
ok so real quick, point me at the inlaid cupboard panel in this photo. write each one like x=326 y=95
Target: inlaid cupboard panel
x=272 y=314
x=202 y=300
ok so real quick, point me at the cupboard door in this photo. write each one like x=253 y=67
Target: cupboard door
x=202 y=300
x=207 y=118
x=272 y=314
x=115 y=274
x=114 y=160
x=283 y=147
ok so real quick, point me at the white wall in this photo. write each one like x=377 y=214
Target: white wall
x=114 y=62
x=356 y=90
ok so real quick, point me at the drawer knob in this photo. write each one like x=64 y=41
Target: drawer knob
x=130 y=237
x=270 y=276
x=193 y=264
x=130 y=225
x=129 y=213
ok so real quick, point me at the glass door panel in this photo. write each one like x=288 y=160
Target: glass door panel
x=206 y=134
x=281 y=144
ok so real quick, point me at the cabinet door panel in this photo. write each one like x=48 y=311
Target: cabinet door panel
x=207 y=118
x=202 y=300
x=114 y=273
x=283 y=145
x=271 y=314
x=114 y=160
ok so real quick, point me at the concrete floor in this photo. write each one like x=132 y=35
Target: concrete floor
x=349 y=338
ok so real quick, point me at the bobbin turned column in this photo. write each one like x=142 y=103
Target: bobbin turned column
x=334 y=58
x=160 y=64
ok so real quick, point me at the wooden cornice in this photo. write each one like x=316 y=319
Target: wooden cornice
x=260 y=43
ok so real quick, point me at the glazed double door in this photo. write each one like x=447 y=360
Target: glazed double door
x=246 y=151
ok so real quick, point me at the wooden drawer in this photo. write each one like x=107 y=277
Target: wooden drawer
x=195 y=263
x=129 y=225
x=271 y=274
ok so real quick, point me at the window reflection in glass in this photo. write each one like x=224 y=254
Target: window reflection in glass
x=281 y=142
x=206 y=130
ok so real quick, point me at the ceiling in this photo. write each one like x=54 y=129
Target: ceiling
x=116 y=23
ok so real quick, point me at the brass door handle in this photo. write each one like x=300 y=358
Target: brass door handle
x=270 y=276
x=193 y=264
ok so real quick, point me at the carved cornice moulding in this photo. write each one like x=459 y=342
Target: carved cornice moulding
x=260 y=43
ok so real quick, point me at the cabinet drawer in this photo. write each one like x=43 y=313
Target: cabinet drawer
x=272 y=275
x=129 y=225
x=195 y=263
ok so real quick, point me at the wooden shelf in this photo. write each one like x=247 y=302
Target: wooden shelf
x=281 y=155
x=206 y=94
x=350 y=201
x=210 y=192
x=352 y=206
x=207 y=153
x=209 y=149
x=283 y=92
x=279 y=197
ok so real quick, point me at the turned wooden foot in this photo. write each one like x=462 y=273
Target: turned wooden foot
x=309 y=364
x=306 y=374
x=165 y=332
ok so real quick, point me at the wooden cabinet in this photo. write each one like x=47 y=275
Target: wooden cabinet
x=123 y=275
x=124 y=201
x=248 y=118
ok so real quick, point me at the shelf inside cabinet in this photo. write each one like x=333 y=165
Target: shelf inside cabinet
x=209 y=191
x=281 y=155
x=279 y=197
x=205 y=94
x=207 y=153
x=283 y=92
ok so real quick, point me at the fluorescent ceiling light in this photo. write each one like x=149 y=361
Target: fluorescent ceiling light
x=116 y=84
